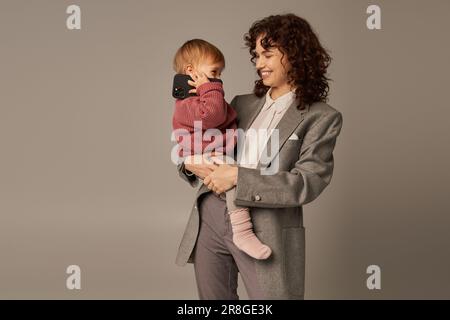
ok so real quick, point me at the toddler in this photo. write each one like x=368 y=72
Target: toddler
x=202 y=60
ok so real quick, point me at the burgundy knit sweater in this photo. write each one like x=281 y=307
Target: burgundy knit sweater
x=209 y=107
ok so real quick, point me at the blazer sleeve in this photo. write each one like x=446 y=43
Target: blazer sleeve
x=187 y=176
x=303 y=183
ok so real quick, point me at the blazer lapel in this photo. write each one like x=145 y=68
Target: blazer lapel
x=254 y=108
x=288 y=123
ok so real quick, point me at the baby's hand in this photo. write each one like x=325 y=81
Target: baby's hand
x=199 y=79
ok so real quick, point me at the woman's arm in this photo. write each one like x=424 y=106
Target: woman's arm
x=186 y=175
x=302 y=184
x=194 y=167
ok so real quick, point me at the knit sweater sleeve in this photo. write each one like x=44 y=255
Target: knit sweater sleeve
x=209 y=106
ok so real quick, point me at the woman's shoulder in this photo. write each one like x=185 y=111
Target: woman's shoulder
x=244 y=103
x=322 y=108
x=321 y=114
x=242 y=99
x=314 y=111
x=316 y=107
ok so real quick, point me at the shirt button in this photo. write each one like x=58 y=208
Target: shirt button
x=195 y=207
x=257 y=197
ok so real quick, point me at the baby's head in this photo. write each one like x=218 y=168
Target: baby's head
x=199 y=56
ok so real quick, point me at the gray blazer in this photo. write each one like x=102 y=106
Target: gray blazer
x=275 y=201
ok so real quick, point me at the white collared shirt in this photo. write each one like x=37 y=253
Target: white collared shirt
x=264 y=123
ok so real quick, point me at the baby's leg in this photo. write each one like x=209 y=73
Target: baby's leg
x=243 y=236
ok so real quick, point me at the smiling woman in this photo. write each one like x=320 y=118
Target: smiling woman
x=289 y=98
x=272 y=66
x=290 y=46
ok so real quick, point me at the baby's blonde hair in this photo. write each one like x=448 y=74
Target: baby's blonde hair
x=193 y=52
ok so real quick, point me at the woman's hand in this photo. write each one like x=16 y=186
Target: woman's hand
x=200 y=165
x=199 y=79
x=222 y=179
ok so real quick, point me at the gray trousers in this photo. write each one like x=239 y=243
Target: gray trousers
x=217 y=260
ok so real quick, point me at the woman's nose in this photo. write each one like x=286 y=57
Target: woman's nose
x=259 y=64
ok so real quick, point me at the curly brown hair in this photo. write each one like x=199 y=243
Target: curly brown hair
x=309 y=61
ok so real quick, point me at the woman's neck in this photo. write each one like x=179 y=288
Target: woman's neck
x=277 y=92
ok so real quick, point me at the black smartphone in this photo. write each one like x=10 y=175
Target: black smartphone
x=181 y=87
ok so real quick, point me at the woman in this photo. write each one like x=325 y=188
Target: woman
x=290 y=98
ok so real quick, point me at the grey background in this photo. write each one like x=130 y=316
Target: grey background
x=85 y=123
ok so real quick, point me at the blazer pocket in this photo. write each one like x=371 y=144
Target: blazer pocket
x=292 y=144
x=294 y=259
x=290 y=141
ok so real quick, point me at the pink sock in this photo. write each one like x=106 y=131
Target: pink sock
x=243 y=236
